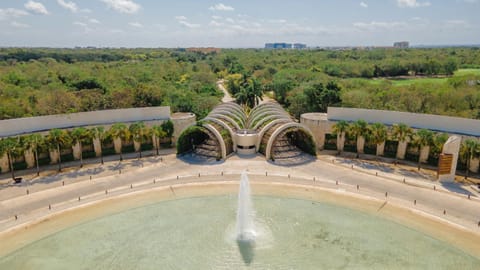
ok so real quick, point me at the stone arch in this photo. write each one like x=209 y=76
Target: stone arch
x=235 y=107
x=264 y=112
x=226 y=126
x=279 y=130
x=266 y=128
x=226 y=118
x=265 y=117
x=230 y=115
x=218 y=136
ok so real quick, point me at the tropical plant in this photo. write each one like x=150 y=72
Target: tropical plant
x=103 y=136
x=158 y=134
x=423 y=138
x=36 y=143
x=359 y=130
x=120 y=131
x=250 y=93
x=378 y=134
x=169 y=128
x=438 y=141
x=340 y=128
x=80 y=136
x=57 y=139
x=469 y=149
x=139 y=132
x=11 y=146
x=402 y=133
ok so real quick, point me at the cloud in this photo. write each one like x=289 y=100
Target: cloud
x=80 y=24
x=371 y=26
x=457 y=23
x=217 y=17
x=136 y=24
x=180 y=18
x=94 y=21
x=8 y=13
x=19 y=25
x=363 y=4
x=221 y=7
x=36 y=7
x=215 y=23
x=470 y=1
x=123 y=6
x=189 y=25
x=68 y=5
x=412 y=3
x=184 y=21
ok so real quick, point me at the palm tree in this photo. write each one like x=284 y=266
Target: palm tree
x=35 y=142
x=360 y=131
x=140 y=134
x=438 y=141
x=120 y=131
x=58 y=138
x=158 y=133
x=340 y=128
x=402 y=133
x=102 y=136
x=250 y=93
x=423 y=138
x=469 y=149
x=378 y=135
x=13 y=148
x=80 y=136
x=169 y=128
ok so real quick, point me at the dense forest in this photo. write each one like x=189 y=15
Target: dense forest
x=47 y=81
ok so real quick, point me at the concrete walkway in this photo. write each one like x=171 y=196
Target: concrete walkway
x=72 y=188
x=226 y=95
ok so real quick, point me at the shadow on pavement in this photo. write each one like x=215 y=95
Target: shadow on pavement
x=199 y=160
x=293 y=161
x=455 y=187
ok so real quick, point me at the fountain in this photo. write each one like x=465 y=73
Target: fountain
x=245 y=217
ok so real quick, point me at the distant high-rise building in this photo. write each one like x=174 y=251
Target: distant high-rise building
x=299 y=46
x=283 y=45
x=401 y=44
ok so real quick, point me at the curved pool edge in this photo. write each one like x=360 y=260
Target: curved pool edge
x=50 y=222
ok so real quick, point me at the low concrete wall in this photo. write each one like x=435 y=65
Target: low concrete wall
x=457 y=125
x=27 y=125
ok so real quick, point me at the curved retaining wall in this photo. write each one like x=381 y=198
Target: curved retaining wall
x=13 y=127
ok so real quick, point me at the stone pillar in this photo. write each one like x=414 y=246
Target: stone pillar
x=380 y=149
x=474 y=165
x=360 y=144
x=4 y=163
x=29 y=158
x=402 y=149
x=54 y=155
x=318 y=125
x=452 y=146
x=117 y=144
x=340 y=141
x=77 y=150
x=137 y=146
x=424 y=153
x=97 y=147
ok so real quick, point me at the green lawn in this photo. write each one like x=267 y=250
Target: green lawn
x=406 y=82
x=468 y=71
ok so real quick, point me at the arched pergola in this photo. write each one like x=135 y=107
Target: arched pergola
x=279 y=130
x=266 y=128
x=219 y=138
x=225 y=126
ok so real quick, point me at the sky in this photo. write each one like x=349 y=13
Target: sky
x=237 y=24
